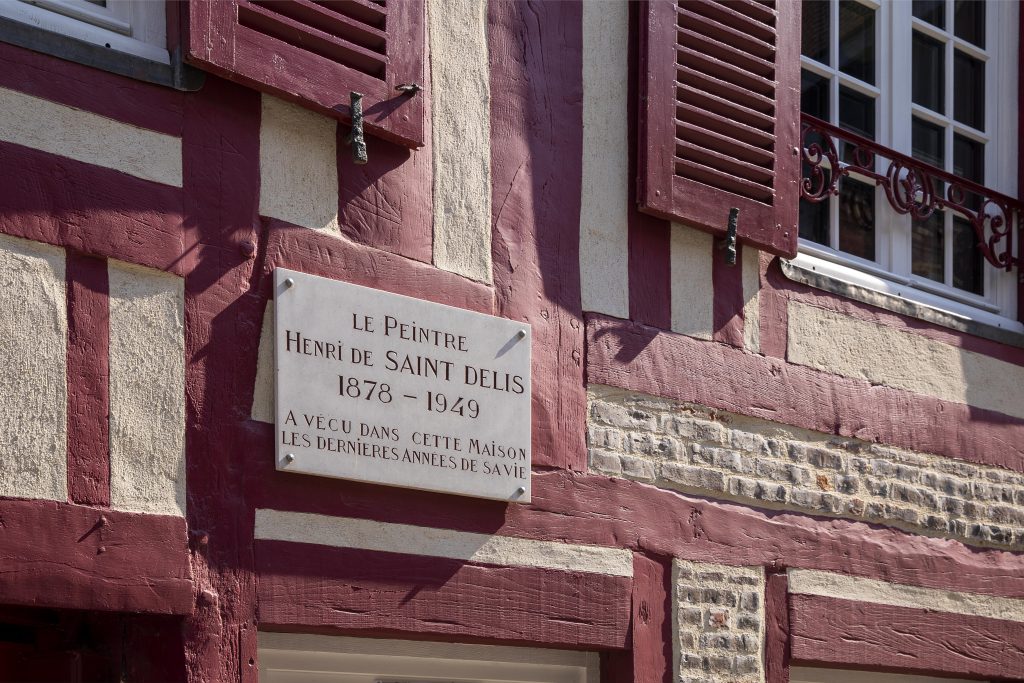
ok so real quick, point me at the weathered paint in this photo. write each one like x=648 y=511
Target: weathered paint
x=693 y=298
x=832 y=585
x=147 y=390
x=33 y=327
x=298 y=166
x=604 y=207
x=58 y=129
x=263 y=390
x=839 y=344
x=341 y=532
x=461 y=98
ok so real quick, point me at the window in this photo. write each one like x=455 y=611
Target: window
x=135 y=27
x=930 y=81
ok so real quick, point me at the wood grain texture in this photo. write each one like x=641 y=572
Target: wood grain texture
x=773 y=316
x=837 y=632
x=90 y=209
x=387 y=203
x=76 y=557
x=536 y=176
x=290 y=246
x=123 y=99
x=88 y=296
x=303 y=585
x=727 y=281
x=631 y=356
x=649 y=659
x=776 y=628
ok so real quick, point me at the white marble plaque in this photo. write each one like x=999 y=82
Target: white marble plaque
x=388 y=389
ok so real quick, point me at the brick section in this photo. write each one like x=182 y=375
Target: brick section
x=718 y=614
x=696 y=449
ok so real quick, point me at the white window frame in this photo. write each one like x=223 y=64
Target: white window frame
x=891 y=271
x=135 y=27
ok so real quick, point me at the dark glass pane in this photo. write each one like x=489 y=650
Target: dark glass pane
x=968 y=90
x=857 y=40
x=857 y=112
x=928 y=73
x=932 y=11
x=969 y=163
x=857 y=218
x=814 y=221
x=927 y=240
x=814 y=95
x=927 y=142
x=814 y=21
x=969 y=21
x=968 y=263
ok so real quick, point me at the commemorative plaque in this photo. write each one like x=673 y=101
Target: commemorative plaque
x=393 y=390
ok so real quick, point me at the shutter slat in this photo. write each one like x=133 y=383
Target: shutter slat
x=303 y=36
x=725 y=34
x=336 y=24
x=758 y=11
x=724 y=108
x=724 y=14
x=724 y=181
x=687 y=113
x=724 y=71
x=708 y=138
x=725 y=163
x=369 y=13
x=726 y=90
x=725 y=53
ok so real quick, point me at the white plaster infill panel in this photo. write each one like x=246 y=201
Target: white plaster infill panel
x=83 y=136
x=840 y=344
x=509 y=551
x=298 y=165
x=461 y=111
x=147 y=390
x=692 y=290
x=604 y=206
x=33 y=374
x=831 y=585
x=751 y=299
x=263 y=391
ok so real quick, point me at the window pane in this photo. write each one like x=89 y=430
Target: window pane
x=927 y=240
x=969 y=90
x=857 y=40
x=857 y=218
x=814 y=220
x=968 y=159
x=814 y=95
x=969 y=21
x=928 y=75
x=968 y=266
x=857 y=112
x=932 y=11
x=814 y=22
x=927 y=143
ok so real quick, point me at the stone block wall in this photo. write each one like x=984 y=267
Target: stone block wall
x=699 y=450
x=718 y=621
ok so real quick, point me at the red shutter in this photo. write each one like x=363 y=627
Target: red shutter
x=720 y=115
x=317 y=52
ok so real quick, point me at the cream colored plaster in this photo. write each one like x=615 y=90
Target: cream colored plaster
x=830 y=585
x=604 y=209
x=751 y=299
x=33 y=371
x=693 y=305
x=843 y=345
x=345 y=532
x=263 y=392
x=298 y=166
x=91 y=138
x=461 y=101
x=147 y=390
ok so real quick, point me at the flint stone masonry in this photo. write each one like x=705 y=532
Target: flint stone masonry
x=718 y=622
x=696 y=449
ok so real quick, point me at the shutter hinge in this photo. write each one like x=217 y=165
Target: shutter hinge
x=729 y=243
x=409 y=88
x=356 y=137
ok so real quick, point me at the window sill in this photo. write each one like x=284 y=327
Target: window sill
x=901 y=297
x=170 y=72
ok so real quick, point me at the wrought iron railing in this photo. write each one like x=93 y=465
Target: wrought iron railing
x=912 y=187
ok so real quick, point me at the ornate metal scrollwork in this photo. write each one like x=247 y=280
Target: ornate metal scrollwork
x=912 y=187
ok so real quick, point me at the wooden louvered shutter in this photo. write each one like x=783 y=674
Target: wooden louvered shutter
x=316 y=52
x=720 y=115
